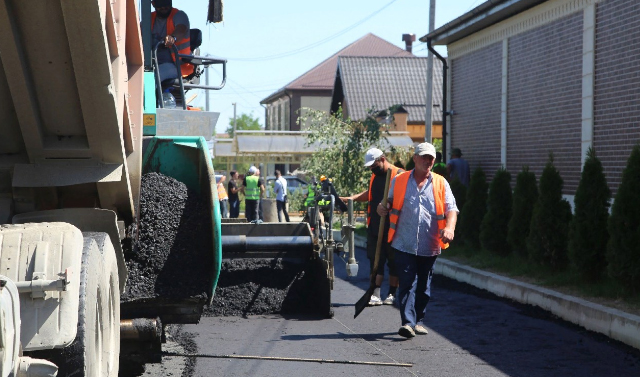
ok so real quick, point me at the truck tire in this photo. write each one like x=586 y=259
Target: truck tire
x=95 y=350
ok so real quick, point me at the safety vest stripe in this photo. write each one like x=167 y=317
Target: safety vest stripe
x=395 y=212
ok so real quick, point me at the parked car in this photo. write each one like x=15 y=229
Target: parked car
x=293 y=183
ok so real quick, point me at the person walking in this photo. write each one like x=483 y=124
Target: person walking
x=222 y=196
x=280 y=189
x=376 y=161
x=234 y=198
x=253 y=187
x=423 y=217
x=458 y=167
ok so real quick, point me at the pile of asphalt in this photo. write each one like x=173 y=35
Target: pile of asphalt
x=262 y=286
x=170 y=256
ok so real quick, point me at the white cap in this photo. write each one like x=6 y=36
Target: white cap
x=372 y=155
x=253 y=170
x=425 y=148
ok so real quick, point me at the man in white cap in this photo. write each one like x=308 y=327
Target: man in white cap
x=375 y=160
x=423 y=214
x=253 y=188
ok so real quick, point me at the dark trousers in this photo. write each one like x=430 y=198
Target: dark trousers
x=251 y=209
x=234 y=209
x=223 y=209
x=415 y=274
x=260 y=215
x=282 y=206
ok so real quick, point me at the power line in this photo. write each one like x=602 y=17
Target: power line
x=315 y=44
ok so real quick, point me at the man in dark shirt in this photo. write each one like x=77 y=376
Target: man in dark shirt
x=234 y=199
x=378 y=164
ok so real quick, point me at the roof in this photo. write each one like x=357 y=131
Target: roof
x=321 y=77
x=380 y=82
x=484 y=15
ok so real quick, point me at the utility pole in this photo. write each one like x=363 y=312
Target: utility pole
x=206 y=92
x=234 y=119
x=428 y=123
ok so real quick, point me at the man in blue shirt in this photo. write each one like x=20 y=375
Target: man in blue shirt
x=422 y=222
x=280 y=189
x=458 y=167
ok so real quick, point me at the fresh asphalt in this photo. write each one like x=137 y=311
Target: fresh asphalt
x=471 y=333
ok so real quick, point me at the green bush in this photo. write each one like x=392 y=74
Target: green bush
x=525 y=195
x=409 y=165
x=549 y=231
x=474 y=209
x=588 y=233
x=623 y=249
x=494 y=226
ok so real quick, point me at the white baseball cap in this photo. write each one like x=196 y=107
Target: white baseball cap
x=253 y=170
x=372 y=155
x=425 y=148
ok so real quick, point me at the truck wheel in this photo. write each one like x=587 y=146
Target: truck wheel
x=95 y=351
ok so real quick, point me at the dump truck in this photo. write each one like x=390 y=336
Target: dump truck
x=82 y=120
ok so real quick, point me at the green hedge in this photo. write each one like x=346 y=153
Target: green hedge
x=474 y=209
x=525 y=195
x=494 y=227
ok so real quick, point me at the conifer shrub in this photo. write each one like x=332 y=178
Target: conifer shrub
x=623 y=248
x=459 y=192
x=525 y=195
x=588 y=234
x=493 y=229
x=549 y=231
x=474 y=209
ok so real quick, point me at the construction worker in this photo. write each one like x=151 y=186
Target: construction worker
x=376 y=161
x=171 y=26
x=253 y=187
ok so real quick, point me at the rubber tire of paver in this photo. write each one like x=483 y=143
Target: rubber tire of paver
x=95 y=351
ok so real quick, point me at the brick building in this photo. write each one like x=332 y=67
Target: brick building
x=529 y=77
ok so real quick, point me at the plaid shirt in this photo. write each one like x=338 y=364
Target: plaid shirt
x=418 y=218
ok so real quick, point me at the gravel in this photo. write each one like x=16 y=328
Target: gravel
x=172 y=255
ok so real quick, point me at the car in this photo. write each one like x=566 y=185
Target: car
x=293 y=183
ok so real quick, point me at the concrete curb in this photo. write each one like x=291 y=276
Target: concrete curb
x=613 y=323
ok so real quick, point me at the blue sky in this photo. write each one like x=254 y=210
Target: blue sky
x=270 y=43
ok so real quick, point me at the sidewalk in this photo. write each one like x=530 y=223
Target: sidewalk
x=613 y=323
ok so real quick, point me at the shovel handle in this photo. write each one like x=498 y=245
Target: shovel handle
x=381 y=228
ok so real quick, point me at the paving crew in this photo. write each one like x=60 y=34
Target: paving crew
x=376 y=161
x=222 y=196
x=253 y=188
x=423 y=215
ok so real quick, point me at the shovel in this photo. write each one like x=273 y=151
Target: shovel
x=364 y=300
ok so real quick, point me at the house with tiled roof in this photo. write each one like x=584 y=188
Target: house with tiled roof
x=313 y=89
x=364 y=83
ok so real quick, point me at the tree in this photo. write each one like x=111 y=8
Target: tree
x=549 y=231
x=493 y=230
x=588 y=235
x=474 y=209
x=525 y=195
x=340 y=148
x=245 y=122
x=623 y=249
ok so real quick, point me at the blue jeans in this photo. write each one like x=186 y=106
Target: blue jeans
x=223 y=208
x=234 y=209
x=415 y=273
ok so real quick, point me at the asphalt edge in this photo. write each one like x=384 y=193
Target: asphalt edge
x=614 y=323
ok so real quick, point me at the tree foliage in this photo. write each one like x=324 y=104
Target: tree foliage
x=588 y=235
x=623 y=248
x=549 y=231
x=493 y=230
x=340 y=148
x=525 y=195
x=459 y=191
x=474 y=209
x=245 y=122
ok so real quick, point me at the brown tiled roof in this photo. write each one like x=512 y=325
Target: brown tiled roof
x=322 y=76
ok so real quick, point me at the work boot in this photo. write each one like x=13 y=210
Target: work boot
x=389 y=300
x=406 y=331
x=420 y=330
x=375 y=301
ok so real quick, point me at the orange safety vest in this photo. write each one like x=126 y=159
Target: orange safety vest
x=399 y=190
x=183 y=45
x=394 y=172
x=222 y=193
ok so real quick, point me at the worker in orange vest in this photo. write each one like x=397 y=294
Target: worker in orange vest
x=222 y=196
x=376 y=161
x=422 y=216
x=171 y=26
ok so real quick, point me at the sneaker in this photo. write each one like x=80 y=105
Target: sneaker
x=389 y=300
x=406 y=331
x=420 y=330
x=375 y=301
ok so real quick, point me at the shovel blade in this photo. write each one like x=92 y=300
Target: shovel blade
x=364 y=301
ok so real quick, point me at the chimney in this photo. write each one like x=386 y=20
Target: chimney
x=408 y=40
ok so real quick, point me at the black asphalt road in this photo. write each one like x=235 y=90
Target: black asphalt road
x=471 y=333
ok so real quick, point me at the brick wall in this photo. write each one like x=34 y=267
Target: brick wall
x=617 y=85
x=476 y=87
x=545 y=99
